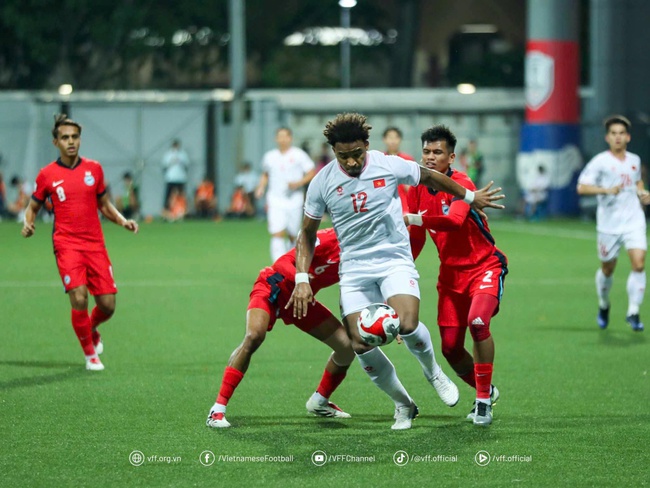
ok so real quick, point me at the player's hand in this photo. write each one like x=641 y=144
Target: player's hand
x=131 y=225
x=259 y=192
x=485 y=197
x=28 y=229
x=644 y=196
x=615 y=190
x=301 y=297
x=398 y=339
x=294 y=185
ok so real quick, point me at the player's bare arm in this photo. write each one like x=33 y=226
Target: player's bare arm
x=302 y=294
x=294 y=185
x=111 y=213
x=30 y=216
x=642 y=193
x=261 y=187
x=485 y=197
x=598 y=190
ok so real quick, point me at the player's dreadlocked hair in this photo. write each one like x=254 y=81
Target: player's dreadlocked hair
x=439 y=133
x=617 y=119
x=348 y=127
x=62 y=119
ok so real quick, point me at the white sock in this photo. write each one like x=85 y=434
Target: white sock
x=603 y=285
x=382 y=373
x=217 y=407
x=278 y=247
x=419 y=343
x=635 y=291
x=320 y=399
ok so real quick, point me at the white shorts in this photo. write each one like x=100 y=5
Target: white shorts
x=609 y=245
x=284 y=216
x=363 y=283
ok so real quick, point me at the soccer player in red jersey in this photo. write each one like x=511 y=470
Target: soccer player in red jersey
x=268 y=299
x=472 y=270
x=77 y=190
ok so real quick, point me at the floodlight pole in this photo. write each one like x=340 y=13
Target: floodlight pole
x=345 y=48
x=238 y=74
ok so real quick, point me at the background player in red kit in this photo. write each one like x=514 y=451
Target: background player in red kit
x=472 y=270
x=77 y=190
x=268 y=299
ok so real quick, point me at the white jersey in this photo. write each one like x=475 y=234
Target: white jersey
x=282 y=169
x=366 y=210
x=622 y=213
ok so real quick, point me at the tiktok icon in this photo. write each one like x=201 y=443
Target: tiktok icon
x=401 y=458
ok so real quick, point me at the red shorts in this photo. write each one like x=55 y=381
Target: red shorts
x=92 y=269
x=457 y=288
x=271 y=292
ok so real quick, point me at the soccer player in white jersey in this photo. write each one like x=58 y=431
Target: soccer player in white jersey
x=615 y=176
x=286 y=170
x=359 y=190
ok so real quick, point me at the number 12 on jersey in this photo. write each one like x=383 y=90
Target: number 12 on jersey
x=359 y=201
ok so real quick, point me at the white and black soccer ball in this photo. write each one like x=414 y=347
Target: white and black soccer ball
x=378 y=324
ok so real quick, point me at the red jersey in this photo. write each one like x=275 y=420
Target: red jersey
x=462 y=237
x=324 y=268
x=402 y=190
x=75 y=192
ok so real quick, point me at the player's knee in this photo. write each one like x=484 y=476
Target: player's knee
x=408 y=322
x=453 y=353
x=78 y=298
x=343 y=356
x=253 y=340
x=360 y=347
x=479 y=327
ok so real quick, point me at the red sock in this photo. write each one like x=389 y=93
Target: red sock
x=330 y=382
x=231 y=378
x=469 y=379
x=81 y=326
x=483 y=373
x=98 y=317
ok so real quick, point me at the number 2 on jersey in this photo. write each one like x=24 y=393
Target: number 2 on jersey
x=60 y=193
x=359 y=201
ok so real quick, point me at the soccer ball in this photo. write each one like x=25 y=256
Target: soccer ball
x=378 y=324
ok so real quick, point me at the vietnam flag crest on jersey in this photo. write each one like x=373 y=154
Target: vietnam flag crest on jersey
x=380 y=183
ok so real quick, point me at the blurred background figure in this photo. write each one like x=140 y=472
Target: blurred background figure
x=205 y=200
x=324 y=157
x=240 y=206
x=175 y=162
x=3 y=197
x=247 y=179
x=22 y=191
x=129 y=203
x=176 y=206
x=287 y=170
x=536 y=196
x=392 y=138
x=475 y=163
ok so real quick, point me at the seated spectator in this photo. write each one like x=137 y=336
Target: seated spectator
x=205 y=200
x=240 y=205
x=17 y=207
x=177 y=206
x=3 y=197
x=536 y=196
x=129 y=203
x=247 y=179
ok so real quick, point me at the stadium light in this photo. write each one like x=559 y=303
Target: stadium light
x=65 y=89
x=347 y=3
x=466 y=88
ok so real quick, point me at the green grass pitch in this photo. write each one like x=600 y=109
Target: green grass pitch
x=573 y=408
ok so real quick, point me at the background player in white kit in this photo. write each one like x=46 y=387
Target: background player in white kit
x=360 y=193
x=615 y=176
x=286 y=170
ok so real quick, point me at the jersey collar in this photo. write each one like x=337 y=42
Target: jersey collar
x=60 y=163
x=448 y=173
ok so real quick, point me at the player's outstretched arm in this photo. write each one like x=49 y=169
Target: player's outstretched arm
x=302 y=294
x=598 y=190
x=111 y=213
x=30 y=216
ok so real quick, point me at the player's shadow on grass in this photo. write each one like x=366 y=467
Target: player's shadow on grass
x=622 y=338
x=72 y=370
